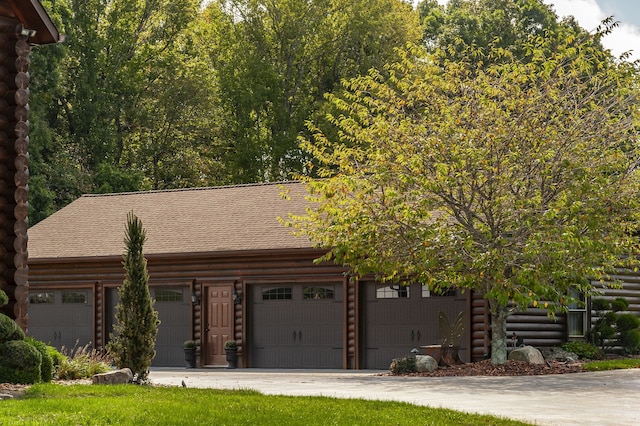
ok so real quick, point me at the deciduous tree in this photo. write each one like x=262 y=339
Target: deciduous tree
x=275 y=60
x=518 y=180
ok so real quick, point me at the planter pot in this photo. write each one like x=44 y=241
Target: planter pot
x=190 y=357
x=232 y=357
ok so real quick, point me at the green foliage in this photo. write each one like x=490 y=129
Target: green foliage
x=630 y=341
x=19 y=362
x=629 y=334
x=9 y=330
x=599 y=305
x=612 y=327
x=490 y=25
x=515 y=179
x=164 y=94
x=627 y=322
x=190 y=344
x=50 y=404
x=584 y=350
x=133 y=341
x=619 y=304
x=403 y=365
x=4 y=299
x=81 y=363
x=275 y=60
x=46 y=363
x=56 y=357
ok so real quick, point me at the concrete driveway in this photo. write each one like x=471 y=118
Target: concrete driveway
x=602 y=398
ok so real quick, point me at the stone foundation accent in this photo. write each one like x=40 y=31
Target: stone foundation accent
x=116 y=377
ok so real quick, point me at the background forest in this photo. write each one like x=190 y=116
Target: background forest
x=161 y=94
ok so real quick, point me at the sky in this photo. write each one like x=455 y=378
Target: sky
x=590 y=13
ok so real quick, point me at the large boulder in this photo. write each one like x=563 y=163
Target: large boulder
x=117 y=377
x=426 y=363
x=528 y=354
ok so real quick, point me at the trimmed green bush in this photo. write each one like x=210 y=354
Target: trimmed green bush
x=630 y=341
x=19 y=362
x=403 y=365
x=46 y=366
x=619 y=304
x=9 y=330
x=4 y=299
x=584 y=350
x=627 y=322
x=56 y=357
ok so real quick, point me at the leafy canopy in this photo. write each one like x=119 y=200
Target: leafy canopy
x=517 y=180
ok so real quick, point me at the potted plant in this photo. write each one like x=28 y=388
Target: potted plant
x=231 y=350
x=190 y=353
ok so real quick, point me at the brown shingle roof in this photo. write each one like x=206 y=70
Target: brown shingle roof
x=179 y=221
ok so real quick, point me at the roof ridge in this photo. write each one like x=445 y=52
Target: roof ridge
x=203 y=188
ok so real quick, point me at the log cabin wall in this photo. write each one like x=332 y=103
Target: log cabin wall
x=480 y=327
x=537 y=329
x=193 y=270
x=532 y=325
x=14 y=172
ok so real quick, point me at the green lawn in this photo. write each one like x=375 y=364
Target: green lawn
x=613 y=364
x=130 y=404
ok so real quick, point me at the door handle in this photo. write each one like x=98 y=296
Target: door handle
x=418 y=335
x=413 y=335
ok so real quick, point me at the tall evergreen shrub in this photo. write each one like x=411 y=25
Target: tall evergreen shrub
x=132 y=343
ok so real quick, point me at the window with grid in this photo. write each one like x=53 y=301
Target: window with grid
x=577 y=315
x=74 y=297
x=168 y=295
x=317 y=293
x=393 y=292
x=277 y=293
x=41 y=297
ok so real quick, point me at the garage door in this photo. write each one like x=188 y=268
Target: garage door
x=174 y=312
x=397 y=319
x=296 y=326
x=62 y=318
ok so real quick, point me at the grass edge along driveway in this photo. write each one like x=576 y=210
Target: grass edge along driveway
x=54 y=404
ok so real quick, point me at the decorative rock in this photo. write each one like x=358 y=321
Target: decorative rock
x=527 y=353
x=557 y=354
x=116 y=377
x=426 y=363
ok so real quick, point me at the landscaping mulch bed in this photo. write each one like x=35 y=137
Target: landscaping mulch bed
x=510 y=368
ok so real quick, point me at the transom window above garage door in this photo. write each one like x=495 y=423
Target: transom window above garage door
x=168 y=295
x=277 y=293
x=448 y=292
x=392 y=291
x=318 y=293
x=41 y=297
x=74 y=296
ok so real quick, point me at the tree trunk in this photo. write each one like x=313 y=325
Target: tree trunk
x=498 y=332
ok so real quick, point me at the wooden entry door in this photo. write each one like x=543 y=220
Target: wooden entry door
x=219 y=326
